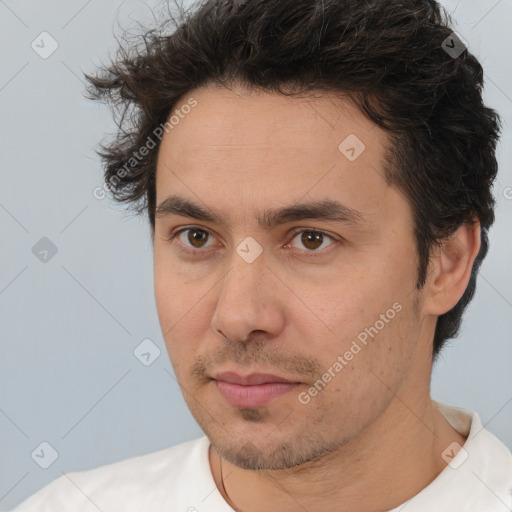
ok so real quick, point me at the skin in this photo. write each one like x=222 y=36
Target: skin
x=373 y=426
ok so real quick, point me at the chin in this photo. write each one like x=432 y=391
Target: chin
x=257 y=449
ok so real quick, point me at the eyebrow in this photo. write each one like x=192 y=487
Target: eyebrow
x=326 y=209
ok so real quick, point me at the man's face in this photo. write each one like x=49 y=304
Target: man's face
x=328 y=304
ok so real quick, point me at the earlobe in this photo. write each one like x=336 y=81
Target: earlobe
x=452 y=264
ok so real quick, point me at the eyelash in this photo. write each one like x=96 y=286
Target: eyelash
x=307 y=253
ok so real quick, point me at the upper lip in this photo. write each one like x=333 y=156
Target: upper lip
x=252 y=379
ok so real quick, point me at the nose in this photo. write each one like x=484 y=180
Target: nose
x=248 y=301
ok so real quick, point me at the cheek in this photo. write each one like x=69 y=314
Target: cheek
x=367 y=318
x=166 y=292
x=369 y=363
x=183 y=309
x=352 y=304
x=174 y=295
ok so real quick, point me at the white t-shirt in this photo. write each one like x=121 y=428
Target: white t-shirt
x=179 y=479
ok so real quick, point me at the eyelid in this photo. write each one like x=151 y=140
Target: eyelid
x=295 y=231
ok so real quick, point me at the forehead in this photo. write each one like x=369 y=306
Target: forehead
x=247 y=117
x=243 y=147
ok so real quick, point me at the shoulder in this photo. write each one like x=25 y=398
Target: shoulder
x=169 y=477
x=478 y=477
x=491 y=465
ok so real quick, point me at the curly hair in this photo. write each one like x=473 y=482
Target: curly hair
x=388 y=56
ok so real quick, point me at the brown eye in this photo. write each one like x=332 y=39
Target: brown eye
x=194 y=239
x=313 y=241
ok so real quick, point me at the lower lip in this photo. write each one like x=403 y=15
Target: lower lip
x=253 y=396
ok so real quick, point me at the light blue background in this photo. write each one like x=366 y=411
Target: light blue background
x=68 y=328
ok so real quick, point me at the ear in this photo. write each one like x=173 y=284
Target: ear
x=450 y=269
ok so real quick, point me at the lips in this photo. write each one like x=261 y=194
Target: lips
x=252 y=391
x=249 y=380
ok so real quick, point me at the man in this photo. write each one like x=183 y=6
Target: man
x=318 y=180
